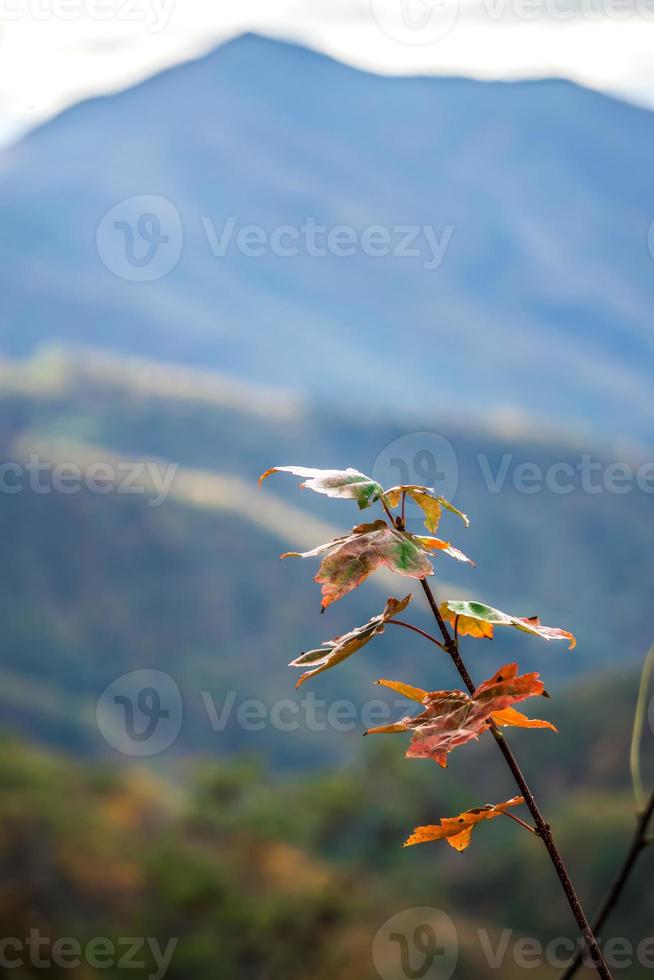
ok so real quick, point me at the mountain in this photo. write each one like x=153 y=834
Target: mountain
x=533 y=285
x=186 y=579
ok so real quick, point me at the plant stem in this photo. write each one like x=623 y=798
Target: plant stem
x=543 y=828
x=416 y=629
x=532 y=830
x=639 y=843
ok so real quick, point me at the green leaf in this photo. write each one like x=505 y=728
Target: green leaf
x=334 y=483
x=351 y=559
x=478 y=619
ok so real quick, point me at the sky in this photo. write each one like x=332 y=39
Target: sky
x=56 y=52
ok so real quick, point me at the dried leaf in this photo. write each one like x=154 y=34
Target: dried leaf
x=509 y=716
x=457 y=831
x=340 y=648
x=453 y=718
x=435 y=544
x=334 y=483
x=406 y=690
x=478 y=619
x=430 y=502
x=351 y=559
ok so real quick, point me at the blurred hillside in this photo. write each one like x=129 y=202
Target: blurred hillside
x=98 y=584
x=265 y=876
x=534 y=287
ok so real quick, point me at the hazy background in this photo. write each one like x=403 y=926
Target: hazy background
x=269 y=255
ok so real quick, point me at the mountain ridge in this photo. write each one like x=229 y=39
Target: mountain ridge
x=544 y=289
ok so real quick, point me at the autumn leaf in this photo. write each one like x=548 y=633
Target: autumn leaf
x=453 y=718
x=477 y=619
x=427 y=499
x=509 y=716
x=334 y=483
x=351 y=559
x=406 y=690
x=457 y=831
x=334 y=651
x=435 y=544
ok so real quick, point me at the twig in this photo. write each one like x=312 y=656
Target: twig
x=543 y=828
x=416 y=629
x=644 y=813
x=532 y=830
x=638 y=843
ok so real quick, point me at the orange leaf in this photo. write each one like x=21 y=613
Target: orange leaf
x=453 y=718
x=412 y=693
x=509 y=716
x=457 y=831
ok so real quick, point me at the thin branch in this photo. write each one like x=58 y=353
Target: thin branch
x=543 y=828
x=389 y=513
x=416 y=629
x=644 y=813
x=638 y=843
x=532 y=830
